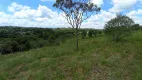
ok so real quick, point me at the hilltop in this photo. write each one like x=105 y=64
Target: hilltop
x=97 y=59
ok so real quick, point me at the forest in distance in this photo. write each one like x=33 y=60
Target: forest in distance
x=18 y=39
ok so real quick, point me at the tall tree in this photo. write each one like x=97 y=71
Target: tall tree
x=76 y=11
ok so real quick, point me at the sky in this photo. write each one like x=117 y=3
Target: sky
x=41 y=13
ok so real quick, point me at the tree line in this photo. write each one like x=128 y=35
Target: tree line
x=14 y=39
x=19 y=39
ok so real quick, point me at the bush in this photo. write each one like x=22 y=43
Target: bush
x=6 y=47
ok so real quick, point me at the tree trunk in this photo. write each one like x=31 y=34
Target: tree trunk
x=77 y=39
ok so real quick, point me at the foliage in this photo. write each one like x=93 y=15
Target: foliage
x=99 y=32
x=119 y=27
x=14 y=39
x=136 y=27
x=97 y=59
x=84 y=34
x=90 y=33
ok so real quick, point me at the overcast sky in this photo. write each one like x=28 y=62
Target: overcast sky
x=40 y=13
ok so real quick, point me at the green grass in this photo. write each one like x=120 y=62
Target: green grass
x=97 y=59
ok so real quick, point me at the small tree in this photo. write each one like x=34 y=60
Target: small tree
x=76 y=11
x=119 y=27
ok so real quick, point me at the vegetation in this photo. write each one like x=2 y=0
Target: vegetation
x=136 y=27
x=119 y=27
x=90 y=33
x=98 y=58
x=76 y=11
x=84 y=34
x=50 y=54
x=16 y=39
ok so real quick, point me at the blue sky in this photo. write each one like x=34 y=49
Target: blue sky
x=32 y=3
x=41 y=13
x=35 y=3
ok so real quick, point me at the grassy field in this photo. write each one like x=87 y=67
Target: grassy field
x=97 y=59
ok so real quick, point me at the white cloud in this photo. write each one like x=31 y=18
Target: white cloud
x=136 y=15
x=4 y=18
x=41 y=12
x=97 y=2
x=16 y=7
x=27 y=17
x=98 y=21
x=120 y=5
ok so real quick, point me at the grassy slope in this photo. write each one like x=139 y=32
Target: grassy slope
x=97 y=59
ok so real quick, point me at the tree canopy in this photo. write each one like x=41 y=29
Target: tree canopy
x=76 y=11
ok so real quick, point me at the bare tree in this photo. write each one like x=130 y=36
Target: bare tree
x=76 y=11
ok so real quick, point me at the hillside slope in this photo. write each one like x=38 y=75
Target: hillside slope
x=97 y=59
